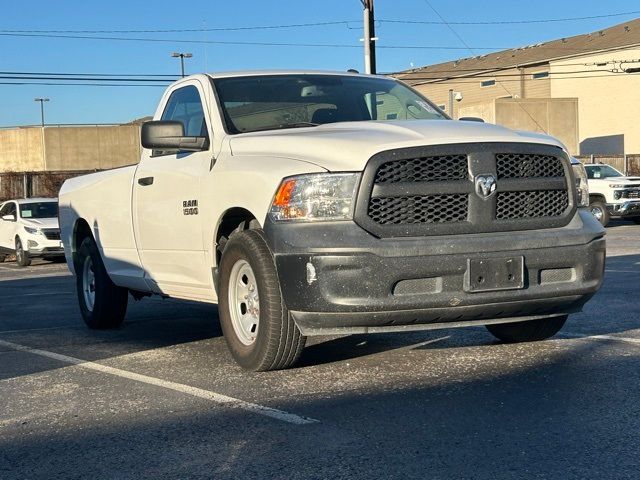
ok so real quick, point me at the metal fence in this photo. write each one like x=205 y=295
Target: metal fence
x=33 y=184
x=627 y=164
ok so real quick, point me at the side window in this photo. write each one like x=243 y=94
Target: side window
x=8 y=209
x=185 y=105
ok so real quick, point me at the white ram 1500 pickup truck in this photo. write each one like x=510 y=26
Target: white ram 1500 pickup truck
x=308 y=203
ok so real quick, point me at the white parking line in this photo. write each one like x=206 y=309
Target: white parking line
x=60 y=327
x=178 y=387
x=20 y=295
x=601 y=337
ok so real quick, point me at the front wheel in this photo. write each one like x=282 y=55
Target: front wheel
x=102 y=303
x=528 y=331
x=22 y=257
x=636 y=220
x=260 y=332
x=599 y=210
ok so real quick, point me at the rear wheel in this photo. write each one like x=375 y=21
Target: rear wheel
x=599 y=210
x=260 y=332
x=22 y=257
x=102 y=303
x=529 y=331
x=2 y=257
x=636 y=220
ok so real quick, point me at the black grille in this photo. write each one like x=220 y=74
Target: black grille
x=536 y=204
x=420 y=209
x=424 y=169
x=522 y=165
x=432 y=190
x=631 y=194
x=52 y=234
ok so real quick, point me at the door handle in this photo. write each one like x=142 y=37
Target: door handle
x=145 y=181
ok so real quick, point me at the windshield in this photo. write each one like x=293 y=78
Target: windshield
x=601 y=171
x=39 y=210
x=272 y=102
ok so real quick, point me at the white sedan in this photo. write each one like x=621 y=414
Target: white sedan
x=29 y=228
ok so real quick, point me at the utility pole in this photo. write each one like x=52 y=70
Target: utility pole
x=44 y=151
x=369 y=37
x=181 y=56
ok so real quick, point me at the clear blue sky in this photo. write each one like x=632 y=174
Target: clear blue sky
x=84 y=104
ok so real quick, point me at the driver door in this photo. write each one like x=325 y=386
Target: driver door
x=166 y=195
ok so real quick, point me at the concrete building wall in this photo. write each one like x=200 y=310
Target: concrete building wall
x=608 y=102
x=509 y=83
x=555 y=116
x=21 y=149
x=69 y=148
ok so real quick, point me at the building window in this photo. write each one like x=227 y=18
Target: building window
x=540 y=75
x=487 y=83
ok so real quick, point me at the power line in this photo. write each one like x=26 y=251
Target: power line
x=281 y=44
x=512 y=22
x=97 y=79
x=443 y=82
x=66 y=74
x=346 y=23
x=82 y=84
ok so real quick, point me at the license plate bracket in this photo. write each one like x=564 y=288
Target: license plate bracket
x=493 y=274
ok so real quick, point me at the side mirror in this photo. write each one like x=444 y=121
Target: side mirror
x=471 y=119
x=169 y=135
x=9 y=218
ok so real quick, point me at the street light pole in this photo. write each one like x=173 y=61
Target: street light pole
x=44 y=151
x=182 y=56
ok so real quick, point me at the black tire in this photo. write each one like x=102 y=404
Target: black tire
x=2 y=257
x=22 y=257
x=636 y=220
x=278 y=343
x=110 y=301
x=599 y=210
x=529 y=331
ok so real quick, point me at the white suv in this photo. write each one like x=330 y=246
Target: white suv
x=29 y=228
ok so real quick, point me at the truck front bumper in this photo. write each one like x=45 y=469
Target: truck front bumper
x=44 y=248
x=337 y=278
x=630 y=208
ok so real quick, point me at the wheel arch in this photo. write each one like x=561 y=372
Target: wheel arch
x=81 y=230
x=233 y=219
x=597 y=197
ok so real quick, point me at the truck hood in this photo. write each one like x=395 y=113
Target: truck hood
x=347 y=146
x=41 y=222
x=626 y=181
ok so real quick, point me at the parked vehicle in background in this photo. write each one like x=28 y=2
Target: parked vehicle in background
x=29 y=228
x=308 y=203
x=612 y=194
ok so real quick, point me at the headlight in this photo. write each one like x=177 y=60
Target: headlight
x=582 y=186
x=32 y=230
x=315 y=197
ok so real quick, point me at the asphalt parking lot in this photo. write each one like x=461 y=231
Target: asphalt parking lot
x=161 y=397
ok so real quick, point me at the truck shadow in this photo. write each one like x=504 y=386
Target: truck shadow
x=43 y=313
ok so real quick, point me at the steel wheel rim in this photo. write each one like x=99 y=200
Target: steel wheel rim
x=19 y=251
x=597 y=212
x=244 y=302
x=88 y=284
